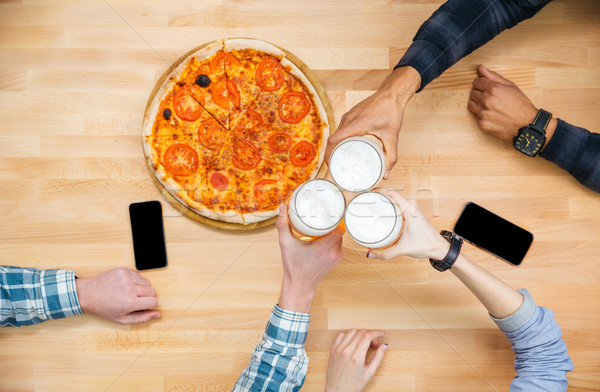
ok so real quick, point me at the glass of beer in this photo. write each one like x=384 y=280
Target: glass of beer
x=315 y=209
x=374 y=220
x=357 y=164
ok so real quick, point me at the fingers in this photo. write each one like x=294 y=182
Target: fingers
x=338 y=340
x=331 y=239
x=491 y=75
x=144 y=303
x=377 y=359
x=137 y=278
x=139 y=317
x=283 y=228
x=482 y=84
x=366 y=340
x=474 y=107
x=402 y=202
x=145 y=291
x=347 y=339
x=476 y=96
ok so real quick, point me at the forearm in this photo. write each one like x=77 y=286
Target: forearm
x=541 y=358
x=459 y=27
x=499 y=299
x=577 y=151
x=30 y=296
x=279 y=362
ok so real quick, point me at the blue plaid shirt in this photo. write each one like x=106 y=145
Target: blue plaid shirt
x=279 y=363
x=459 y=27
x=30 y=295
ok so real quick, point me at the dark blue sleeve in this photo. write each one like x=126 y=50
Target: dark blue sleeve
x=459 y=27
x=576 y=150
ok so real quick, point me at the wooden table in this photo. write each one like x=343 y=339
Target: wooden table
x=74 y=80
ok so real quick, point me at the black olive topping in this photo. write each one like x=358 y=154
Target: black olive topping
x=202 y=80
x=167 y=114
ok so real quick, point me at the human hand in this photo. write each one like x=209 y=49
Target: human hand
x=348 y=370
x=419 y=239
x=380 y=115
x=121 y=295
x=500 y=106
x=305 y=264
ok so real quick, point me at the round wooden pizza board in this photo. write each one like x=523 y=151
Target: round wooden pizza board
x=228 y=225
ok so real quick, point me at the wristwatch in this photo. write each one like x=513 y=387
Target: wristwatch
x=531 y=138
x=448 y=261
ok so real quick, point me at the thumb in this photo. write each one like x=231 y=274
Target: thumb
x=491 y=75
x=381 y=255
x=377 y=358
x=139 y=317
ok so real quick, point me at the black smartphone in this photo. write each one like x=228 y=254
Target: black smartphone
x=494 y=234
x=148 y=235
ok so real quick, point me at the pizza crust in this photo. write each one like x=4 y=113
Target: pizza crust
x=153 y=107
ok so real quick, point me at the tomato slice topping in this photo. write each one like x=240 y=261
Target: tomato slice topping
x=211 y=134
x=302 y=153
x=188 y=102
x=293 y=106
x=217 y=65
x=245 y=155
x=263 y=189
x=280 y=142
x=225 y=92
x=180 y=160
x=269 y=74
x=219 y=181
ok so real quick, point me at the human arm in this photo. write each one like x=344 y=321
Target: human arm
x=456 y=29
x=501 y=108
x=541 y=355
x=30 y=296
x=279 y=362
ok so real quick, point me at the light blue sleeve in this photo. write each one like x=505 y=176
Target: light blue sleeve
x=541 y=358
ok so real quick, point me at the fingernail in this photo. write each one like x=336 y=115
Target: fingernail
x=387 y=174
x=281 y=209
x=371 y=255
x=385 y=347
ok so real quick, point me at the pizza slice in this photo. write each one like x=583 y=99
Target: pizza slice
x=209 y=76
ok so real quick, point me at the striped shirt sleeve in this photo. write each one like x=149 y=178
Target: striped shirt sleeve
x=279 y=363
x=30 y=295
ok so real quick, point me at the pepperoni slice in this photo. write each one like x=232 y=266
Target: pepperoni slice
x=225 y=92
x=245 y=155
x=293 y=107
x=269 y=74
x=280 y=142
x=302 y=154
x=265 y=188
x=180 y=160
x=211 y=134
x=217 y=65
x=219 y=181
x=188 y=102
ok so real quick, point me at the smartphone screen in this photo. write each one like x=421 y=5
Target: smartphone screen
x=148 y=235
x=494 y=234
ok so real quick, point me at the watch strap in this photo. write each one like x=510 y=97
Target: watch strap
x=541 y=121
x=455 y=245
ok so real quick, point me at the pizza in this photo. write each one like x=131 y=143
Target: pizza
x=233 y=129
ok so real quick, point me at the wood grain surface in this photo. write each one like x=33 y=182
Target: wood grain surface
x=74 y=80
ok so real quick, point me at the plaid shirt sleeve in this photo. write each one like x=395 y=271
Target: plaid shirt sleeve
x=279 y=363
x=30 y=295
x=459 y=27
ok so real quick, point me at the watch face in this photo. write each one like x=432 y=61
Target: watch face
x=528 y=141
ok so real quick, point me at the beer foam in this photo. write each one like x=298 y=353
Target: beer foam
x=319 y=204
x=356 y=166
x=372 y=219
